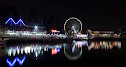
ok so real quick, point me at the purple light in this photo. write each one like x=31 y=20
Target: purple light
x=81 y=43
x=11 y=64
x=58 y=31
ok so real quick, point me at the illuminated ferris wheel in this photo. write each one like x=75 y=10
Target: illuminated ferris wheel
x=72 y=26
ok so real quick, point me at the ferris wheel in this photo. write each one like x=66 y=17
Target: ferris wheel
x=72 y=26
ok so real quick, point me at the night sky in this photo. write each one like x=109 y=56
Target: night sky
x=103 y=15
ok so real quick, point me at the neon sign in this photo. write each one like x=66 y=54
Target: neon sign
x=19 y=21
x=10 y=19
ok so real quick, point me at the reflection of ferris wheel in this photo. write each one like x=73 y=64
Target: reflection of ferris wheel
x=72 y=52
x=72 y=26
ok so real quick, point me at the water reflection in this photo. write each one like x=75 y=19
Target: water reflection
x=36 y=49
x=73 y=48
x=11 y=62
x=72 y=51
x=104 y=45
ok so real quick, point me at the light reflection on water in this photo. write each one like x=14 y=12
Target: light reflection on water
x=72 y=51
x=39 y=48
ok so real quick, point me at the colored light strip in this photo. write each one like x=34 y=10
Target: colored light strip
x=21 y=61
x=11 y=64
x=19 y=21
x=10 y=19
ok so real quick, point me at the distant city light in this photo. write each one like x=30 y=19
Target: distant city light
x=58 y=50
x=55 y=31
x=36 y=54
x=36 y=27
x=55 y=51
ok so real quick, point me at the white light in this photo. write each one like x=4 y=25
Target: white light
x=44 y=48
x=18 y=51
x=21 y=50
x=9 y=52
x=14 y=52
x=25 y=51
x=36 y=27
x=36 y=54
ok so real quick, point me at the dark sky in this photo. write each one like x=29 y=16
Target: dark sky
x=94 y=15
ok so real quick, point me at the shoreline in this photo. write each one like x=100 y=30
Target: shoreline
x=66 y=40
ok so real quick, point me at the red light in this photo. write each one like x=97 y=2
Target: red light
x=32 y=44
x=32 y=37
x=53 y=30
x=54 y=51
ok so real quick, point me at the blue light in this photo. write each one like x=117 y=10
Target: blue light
x=21 y=61
x=20 y=21
x=5 y=43
x=10 y=19
x=58 y=50
x=58 y=31
x=83 y=43
x=11 y=64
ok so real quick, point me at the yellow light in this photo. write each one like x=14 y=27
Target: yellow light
x=70 y=19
